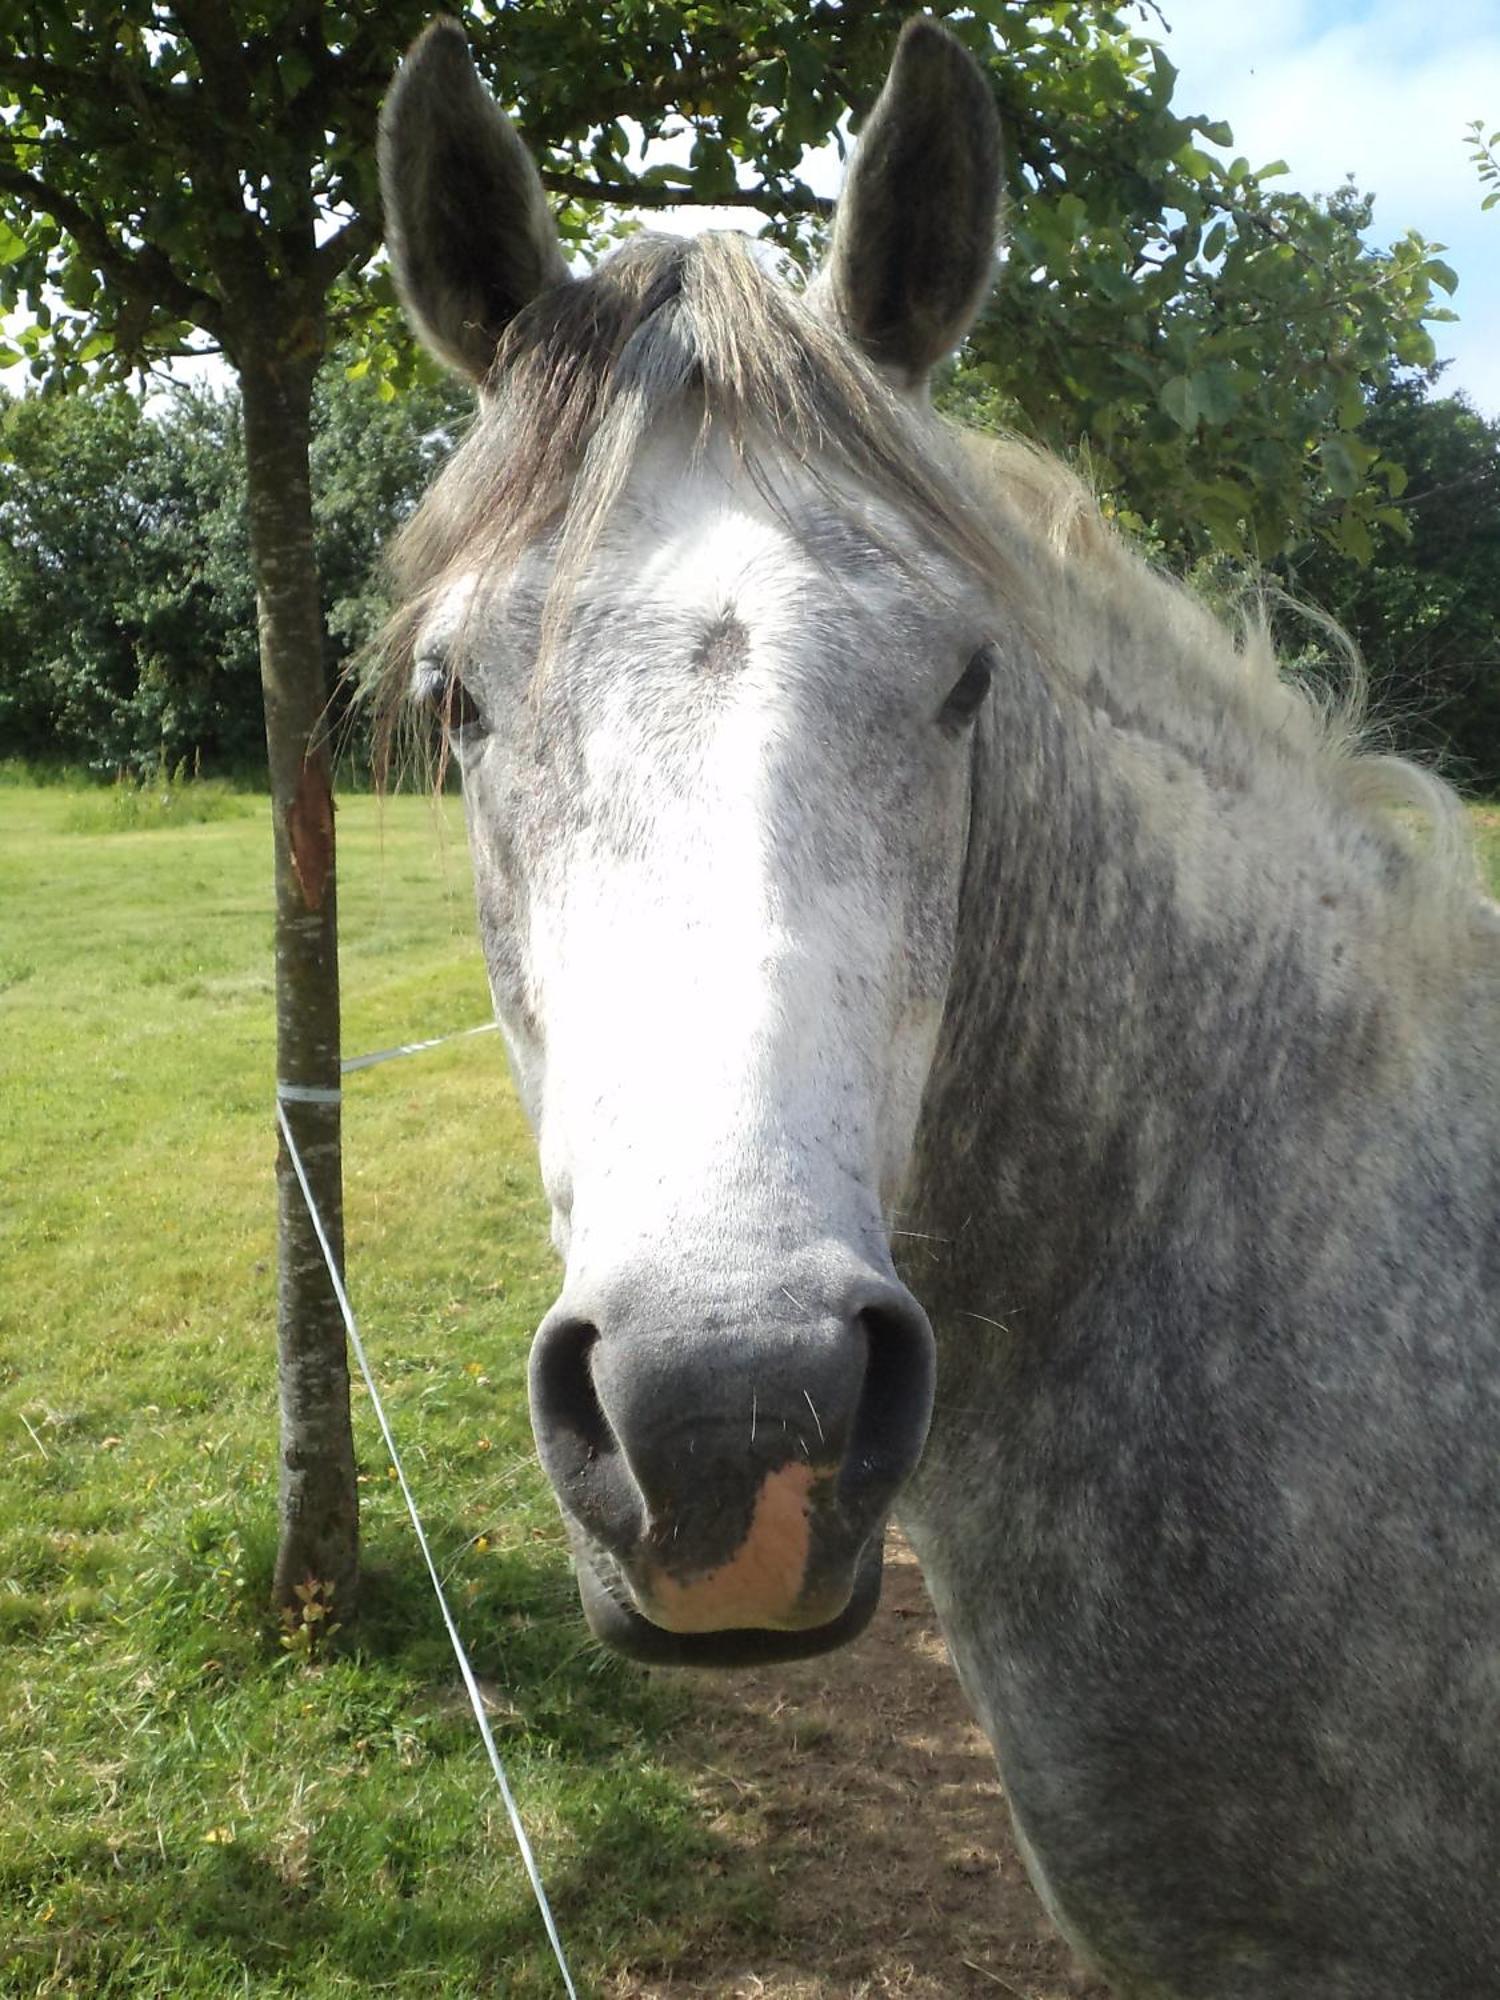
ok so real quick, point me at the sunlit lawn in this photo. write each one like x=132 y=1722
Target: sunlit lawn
x=184 y=1809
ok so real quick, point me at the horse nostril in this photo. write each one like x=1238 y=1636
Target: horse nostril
x=562 y=1386
x=895 y=1404
x=577 y=1443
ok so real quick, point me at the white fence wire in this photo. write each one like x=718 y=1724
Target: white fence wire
x=294 y=1094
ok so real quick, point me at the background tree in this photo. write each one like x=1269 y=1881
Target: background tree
x=1426 y=612
x=175 y=173
x=1228 y=412
x=373 y=457
x=127 y=626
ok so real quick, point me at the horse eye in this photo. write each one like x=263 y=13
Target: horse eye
x=968 y=691
x=440 y=689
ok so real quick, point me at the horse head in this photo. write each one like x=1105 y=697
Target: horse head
x=695 y=618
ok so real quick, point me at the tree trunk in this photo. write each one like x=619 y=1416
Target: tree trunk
x=319 y=1518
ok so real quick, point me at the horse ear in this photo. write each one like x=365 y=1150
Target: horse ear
x=915 y=231
x=466 y=220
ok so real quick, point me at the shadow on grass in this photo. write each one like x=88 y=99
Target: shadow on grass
x=282 y=1828
x=241 y=1922
x=524 y=1633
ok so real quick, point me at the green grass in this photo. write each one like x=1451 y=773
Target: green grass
x=184 y=1809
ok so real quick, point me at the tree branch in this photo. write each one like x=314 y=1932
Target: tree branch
x=126 y=107
x=124 y=98
x=1480 y=476
x=144 y=277
x=634 y=194
x=346 y=249
x=214 y=40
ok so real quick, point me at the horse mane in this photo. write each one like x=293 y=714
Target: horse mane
x=670 y=325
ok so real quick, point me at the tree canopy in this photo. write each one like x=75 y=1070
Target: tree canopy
x=1208 y=339
x=127 y=626
x=1426 y=612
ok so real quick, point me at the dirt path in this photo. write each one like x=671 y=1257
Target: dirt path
x=861 y=1784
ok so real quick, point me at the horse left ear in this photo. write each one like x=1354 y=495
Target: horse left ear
x=916 y=227
x=470 y=235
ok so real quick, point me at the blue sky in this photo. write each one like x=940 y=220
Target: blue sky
x=1382 y=89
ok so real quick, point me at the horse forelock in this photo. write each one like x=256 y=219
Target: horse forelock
x=664 y=327
x=697 y=328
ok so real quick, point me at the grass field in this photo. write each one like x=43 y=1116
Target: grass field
x=184 y=1808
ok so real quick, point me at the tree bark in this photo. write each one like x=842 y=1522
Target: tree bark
x=319 y=1511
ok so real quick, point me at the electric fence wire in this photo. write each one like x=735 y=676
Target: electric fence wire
x=285 y=1093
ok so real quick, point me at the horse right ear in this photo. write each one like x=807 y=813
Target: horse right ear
x=915 y=231
x=466 y=220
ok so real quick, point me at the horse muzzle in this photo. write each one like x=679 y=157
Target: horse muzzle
x=726 y=1488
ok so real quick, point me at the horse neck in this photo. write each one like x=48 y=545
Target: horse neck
x=1158 y=954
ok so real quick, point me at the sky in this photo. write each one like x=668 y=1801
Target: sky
x=1382 y=89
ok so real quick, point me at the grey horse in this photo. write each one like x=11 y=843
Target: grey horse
x=879 y=865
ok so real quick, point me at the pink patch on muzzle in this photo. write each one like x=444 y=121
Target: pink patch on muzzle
x=761 y=1584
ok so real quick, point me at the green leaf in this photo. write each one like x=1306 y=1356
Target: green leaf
x=1354 y=538
x=1352 y=407
x=1176 y=397
x=1216 y=391
x=1415 y=348
x=295 y=72
x=1340 y=466
x=1207 y=395
x=1116 y=285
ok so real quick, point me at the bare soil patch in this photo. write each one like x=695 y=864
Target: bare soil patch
x=859 y=1788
